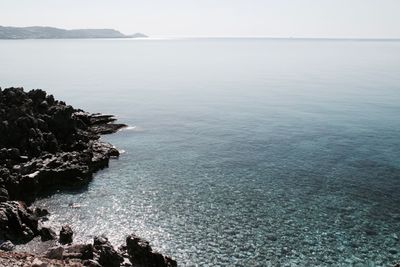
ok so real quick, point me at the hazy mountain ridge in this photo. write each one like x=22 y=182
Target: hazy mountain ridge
x=39 y=32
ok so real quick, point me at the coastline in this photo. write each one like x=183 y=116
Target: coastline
x=47 y=145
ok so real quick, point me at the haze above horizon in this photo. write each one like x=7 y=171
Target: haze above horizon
x=235 y=18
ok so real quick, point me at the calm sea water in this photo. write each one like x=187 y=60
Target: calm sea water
x=241 y=152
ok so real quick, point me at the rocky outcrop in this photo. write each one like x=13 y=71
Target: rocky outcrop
x=46 y=145
x=136 y=252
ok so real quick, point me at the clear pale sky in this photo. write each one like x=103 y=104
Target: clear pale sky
x=162 y=18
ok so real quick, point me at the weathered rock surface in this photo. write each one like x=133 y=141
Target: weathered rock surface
x=17 y=222
x=45 y=143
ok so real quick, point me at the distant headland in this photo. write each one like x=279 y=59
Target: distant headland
x=39 y=32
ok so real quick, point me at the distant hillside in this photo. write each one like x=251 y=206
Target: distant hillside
x=38 y=32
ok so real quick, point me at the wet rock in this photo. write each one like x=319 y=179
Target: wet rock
x=47 y=234
x=7 y=246
x=66 y=235
x=140 y=253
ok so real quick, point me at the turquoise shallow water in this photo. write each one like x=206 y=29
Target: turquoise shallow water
x=241 y=152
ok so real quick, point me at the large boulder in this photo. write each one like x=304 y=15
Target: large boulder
x=66 y=235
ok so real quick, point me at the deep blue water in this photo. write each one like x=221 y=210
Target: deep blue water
x=241 y=152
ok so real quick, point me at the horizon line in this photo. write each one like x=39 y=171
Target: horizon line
x=276 y=38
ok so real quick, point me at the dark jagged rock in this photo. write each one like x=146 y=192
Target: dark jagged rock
x=141 y=254
x=66 y=235
x=45 y=143
x=106 y=254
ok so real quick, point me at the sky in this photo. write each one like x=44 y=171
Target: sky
x=213 y=18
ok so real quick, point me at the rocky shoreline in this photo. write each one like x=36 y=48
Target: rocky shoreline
x=46 y=145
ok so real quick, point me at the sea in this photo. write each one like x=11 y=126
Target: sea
x=239 y=151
